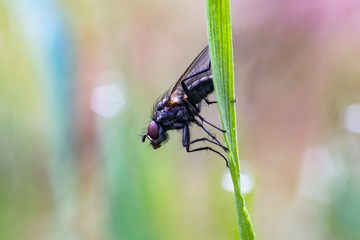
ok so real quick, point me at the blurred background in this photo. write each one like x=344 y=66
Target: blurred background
x=78 y=80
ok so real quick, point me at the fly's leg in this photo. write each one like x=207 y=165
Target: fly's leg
x=207 y=148
x=209 y=102
x=203 y=119
x=195 y=112
x=186 y=144
x=212 y=136
x=193 y=109
x=188 y=101
x=208 y=140
x=186 y=134
x=199 y=106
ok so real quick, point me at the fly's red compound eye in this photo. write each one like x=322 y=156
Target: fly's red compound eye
x=153 y=130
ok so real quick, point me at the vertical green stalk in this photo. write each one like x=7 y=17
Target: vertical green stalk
x=221 y=53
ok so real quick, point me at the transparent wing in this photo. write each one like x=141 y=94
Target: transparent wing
x=199 y=66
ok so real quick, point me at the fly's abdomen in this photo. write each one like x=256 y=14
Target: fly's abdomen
x=200 y=88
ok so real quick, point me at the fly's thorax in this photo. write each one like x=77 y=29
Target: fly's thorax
x=176 y=97
x=171 y=117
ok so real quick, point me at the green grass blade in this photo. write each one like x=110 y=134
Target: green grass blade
x=221 y=53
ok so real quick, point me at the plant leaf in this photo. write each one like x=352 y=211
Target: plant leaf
x=221 y=54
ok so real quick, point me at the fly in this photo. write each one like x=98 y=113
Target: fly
x=180 y=108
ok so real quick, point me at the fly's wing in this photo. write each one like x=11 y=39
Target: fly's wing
x=200 y=66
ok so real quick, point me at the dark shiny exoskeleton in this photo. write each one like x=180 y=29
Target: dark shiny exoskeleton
x=181 y=107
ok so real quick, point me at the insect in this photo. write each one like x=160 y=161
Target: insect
x=180 y=107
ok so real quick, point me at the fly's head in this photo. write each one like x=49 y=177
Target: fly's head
x=156 y=134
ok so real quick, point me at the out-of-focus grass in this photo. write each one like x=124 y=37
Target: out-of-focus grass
x=23 y=191
x=342 y=214
x=37 y=118
x=126 y=188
